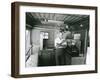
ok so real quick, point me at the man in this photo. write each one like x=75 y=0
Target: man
x=60 y=45
x=59 y=49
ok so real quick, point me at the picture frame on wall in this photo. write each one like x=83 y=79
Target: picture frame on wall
x=53 y=39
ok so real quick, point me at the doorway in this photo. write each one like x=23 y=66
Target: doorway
x=44 y=40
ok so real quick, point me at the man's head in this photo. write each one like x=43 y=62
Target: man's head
x=73 y=42
x=69 y=42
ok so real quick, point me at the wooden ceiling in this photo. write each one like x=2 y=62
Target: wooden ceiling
x=66 y=18
x=54 y=20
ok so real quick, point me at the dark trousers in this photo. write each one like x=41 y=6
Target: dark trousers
x=62 y=57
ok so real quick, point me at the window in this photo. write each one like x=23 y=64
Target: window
x=45 y=35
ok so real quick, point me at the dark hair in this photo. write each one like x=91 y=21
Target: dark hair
x=66 y=29
x=61 y=30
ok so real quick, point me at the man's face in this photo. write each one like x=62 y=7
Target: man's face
x=73 y=42
x=69 y=42
x=60 y=35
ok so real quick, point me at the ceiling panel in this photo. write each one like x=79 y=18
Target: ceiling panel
x=68 y=18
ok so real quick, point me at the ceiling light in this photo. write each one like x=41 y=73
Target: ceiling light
x=81 y=25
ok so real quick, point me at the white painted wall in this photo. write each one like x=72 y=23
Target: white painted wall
x=27 y=41
x=5 y=40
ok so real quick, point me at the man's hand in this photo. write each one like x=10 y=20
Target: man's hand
x=58 y=44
